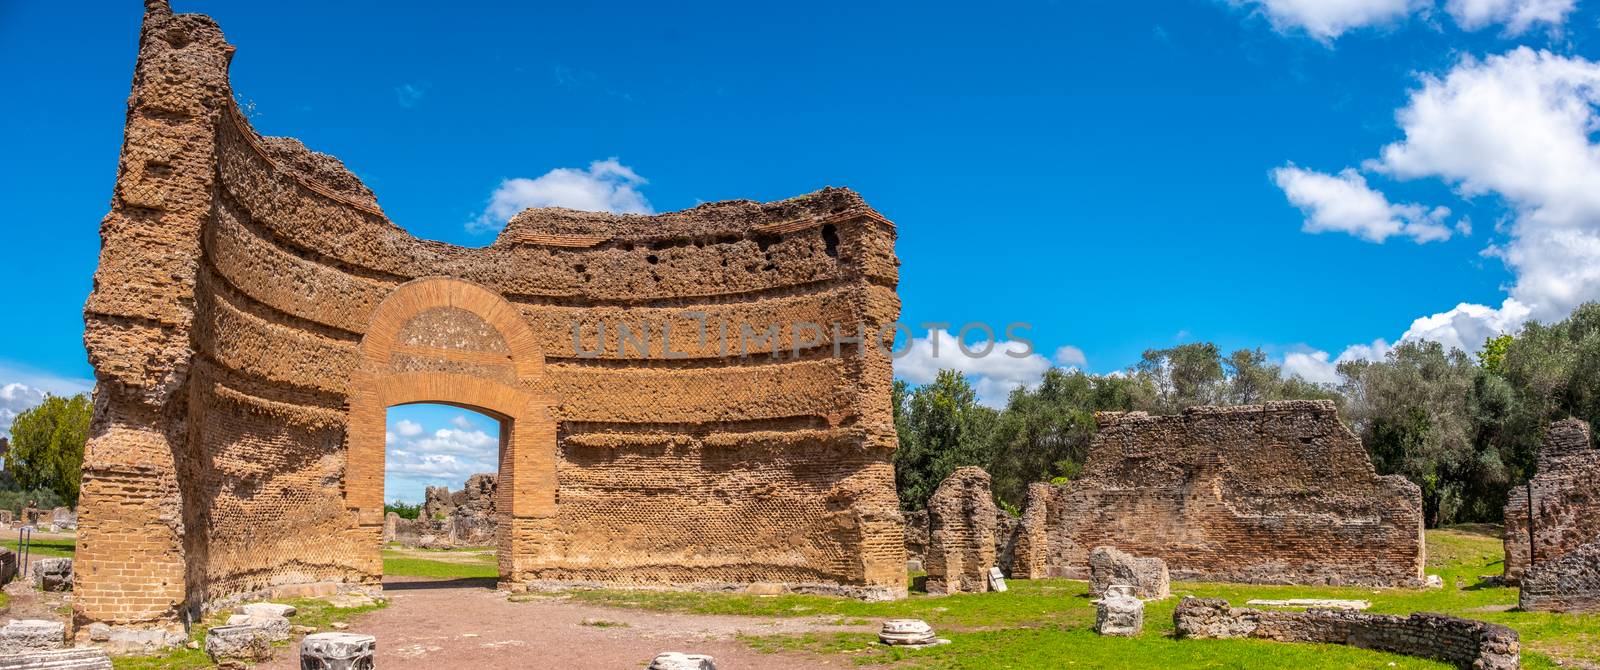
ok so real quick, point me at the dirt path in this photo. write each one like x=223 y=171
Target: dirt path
x=466 y=624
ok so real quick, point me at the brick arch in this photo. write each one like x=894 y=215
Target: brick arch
x=527 y=488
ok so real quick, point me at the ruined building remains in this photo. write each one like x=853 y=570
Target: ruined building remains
x=465 y=518
x=255 y=313
x=1279 y=493
x=961 y=533
x=1565 y=500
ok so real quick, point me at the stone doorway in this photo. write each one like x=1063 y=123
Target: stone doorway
x=448 y=342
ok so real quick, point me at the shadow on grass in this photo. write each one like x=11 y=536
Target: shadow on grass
x=424 y=584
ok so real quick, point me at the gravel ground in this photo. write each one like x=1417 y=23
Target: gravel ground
x=466 y=624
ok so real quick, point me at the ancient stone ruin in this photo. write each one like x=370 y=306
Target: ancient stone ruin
x=961 y=533
x=465 y=518
x=665 y=419
x=1467 y=644
x=1570 y=583
x=1564 y=513
x=1145 y=577
x=1276 y=493
x=1281 y=493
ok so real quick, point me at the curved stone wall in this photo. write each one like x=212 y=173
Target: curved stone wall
x=255 y=313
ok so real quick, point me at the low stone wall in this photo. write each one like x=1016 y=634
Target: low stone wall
x=1463 y=642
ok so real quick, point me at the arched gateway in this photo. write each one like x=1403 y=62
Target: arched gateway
x=686 y=396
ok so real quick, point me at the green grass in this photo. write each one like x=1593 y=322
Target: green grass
x=309 y=612
x=398 y=564
x=44 y=548
x=1049 y=622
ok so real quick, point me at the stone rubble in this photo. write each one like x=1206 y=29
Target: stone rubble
x=1118 y=614
x=1147 y=575
x=338 y=651
x=53 y=574
x=26 y=635
x=674 y=660
x=83 y=658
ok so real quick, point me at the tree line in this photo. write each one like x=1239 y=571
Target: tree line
x=1464 y=428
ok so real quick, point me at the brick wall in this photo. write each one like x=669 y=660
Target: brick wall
x=1280 y=493
x=255 y=313
x=1565 y=491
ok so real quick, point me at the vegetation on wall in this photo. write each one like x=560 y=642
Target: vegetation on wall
x=1465 y=429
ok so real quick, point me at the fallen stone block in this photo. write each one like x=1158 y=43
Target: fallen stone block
x=241 y=642
x=337 y=651
x=997 y=580
x=1147 y=575
x=673 y=660
x=125 y=640
x=84 y=658
x=1119 y=615
x=25 y=635
x=267 y=610
x=53 y=574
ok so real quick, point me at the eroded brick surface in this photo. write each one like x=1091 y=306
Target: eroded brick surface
x=1280 y=493
x=255 y=313
x=1565 y=491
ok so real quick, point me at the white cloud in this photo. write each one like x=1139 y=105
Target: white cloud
x=408 y=428
x=1327 y=19
x=15 y=398
x=994 y=375
x=419 y=456
x=1517 y=127
x=1317 y=366
x=1070 y=357
x=1344 y=203
x=461 y=421
x=1516 y=15
x=607 y=186
x=408 y=95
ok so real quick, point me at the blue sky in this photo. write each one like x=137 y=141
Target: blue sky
x=1119 y=175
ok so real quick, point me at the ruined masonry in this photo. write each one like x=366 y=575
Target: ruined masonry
x=961 y=533
x=1565 y=494
x=255 y=313
x=1278 y=493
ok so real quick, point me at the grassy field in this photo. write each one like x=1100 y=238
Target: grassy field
x=44 y=548
x=1040 y=623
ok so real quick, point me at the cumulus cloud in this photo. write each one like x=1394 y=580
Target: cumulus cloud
x=1317 y=366
x=1070 y=357
x=1344 y=203
x=16 y=398
x=420 y=455
x=1516 y=15
x=408 y=428
x=606 y=186
x=1519 y=128
x=461 y=421
x=994 y=375
x=1325 y=20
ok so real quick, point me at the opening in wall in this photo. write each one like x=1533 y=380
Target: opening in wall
x=441 y=471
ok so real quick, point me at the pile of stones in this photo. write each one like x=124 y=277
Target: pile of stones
x=1124 y=582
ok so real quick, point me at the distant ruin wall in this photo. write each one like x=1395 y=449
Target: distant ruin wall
x=1282 y=493
x=255 y=313
x=1565 y=490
